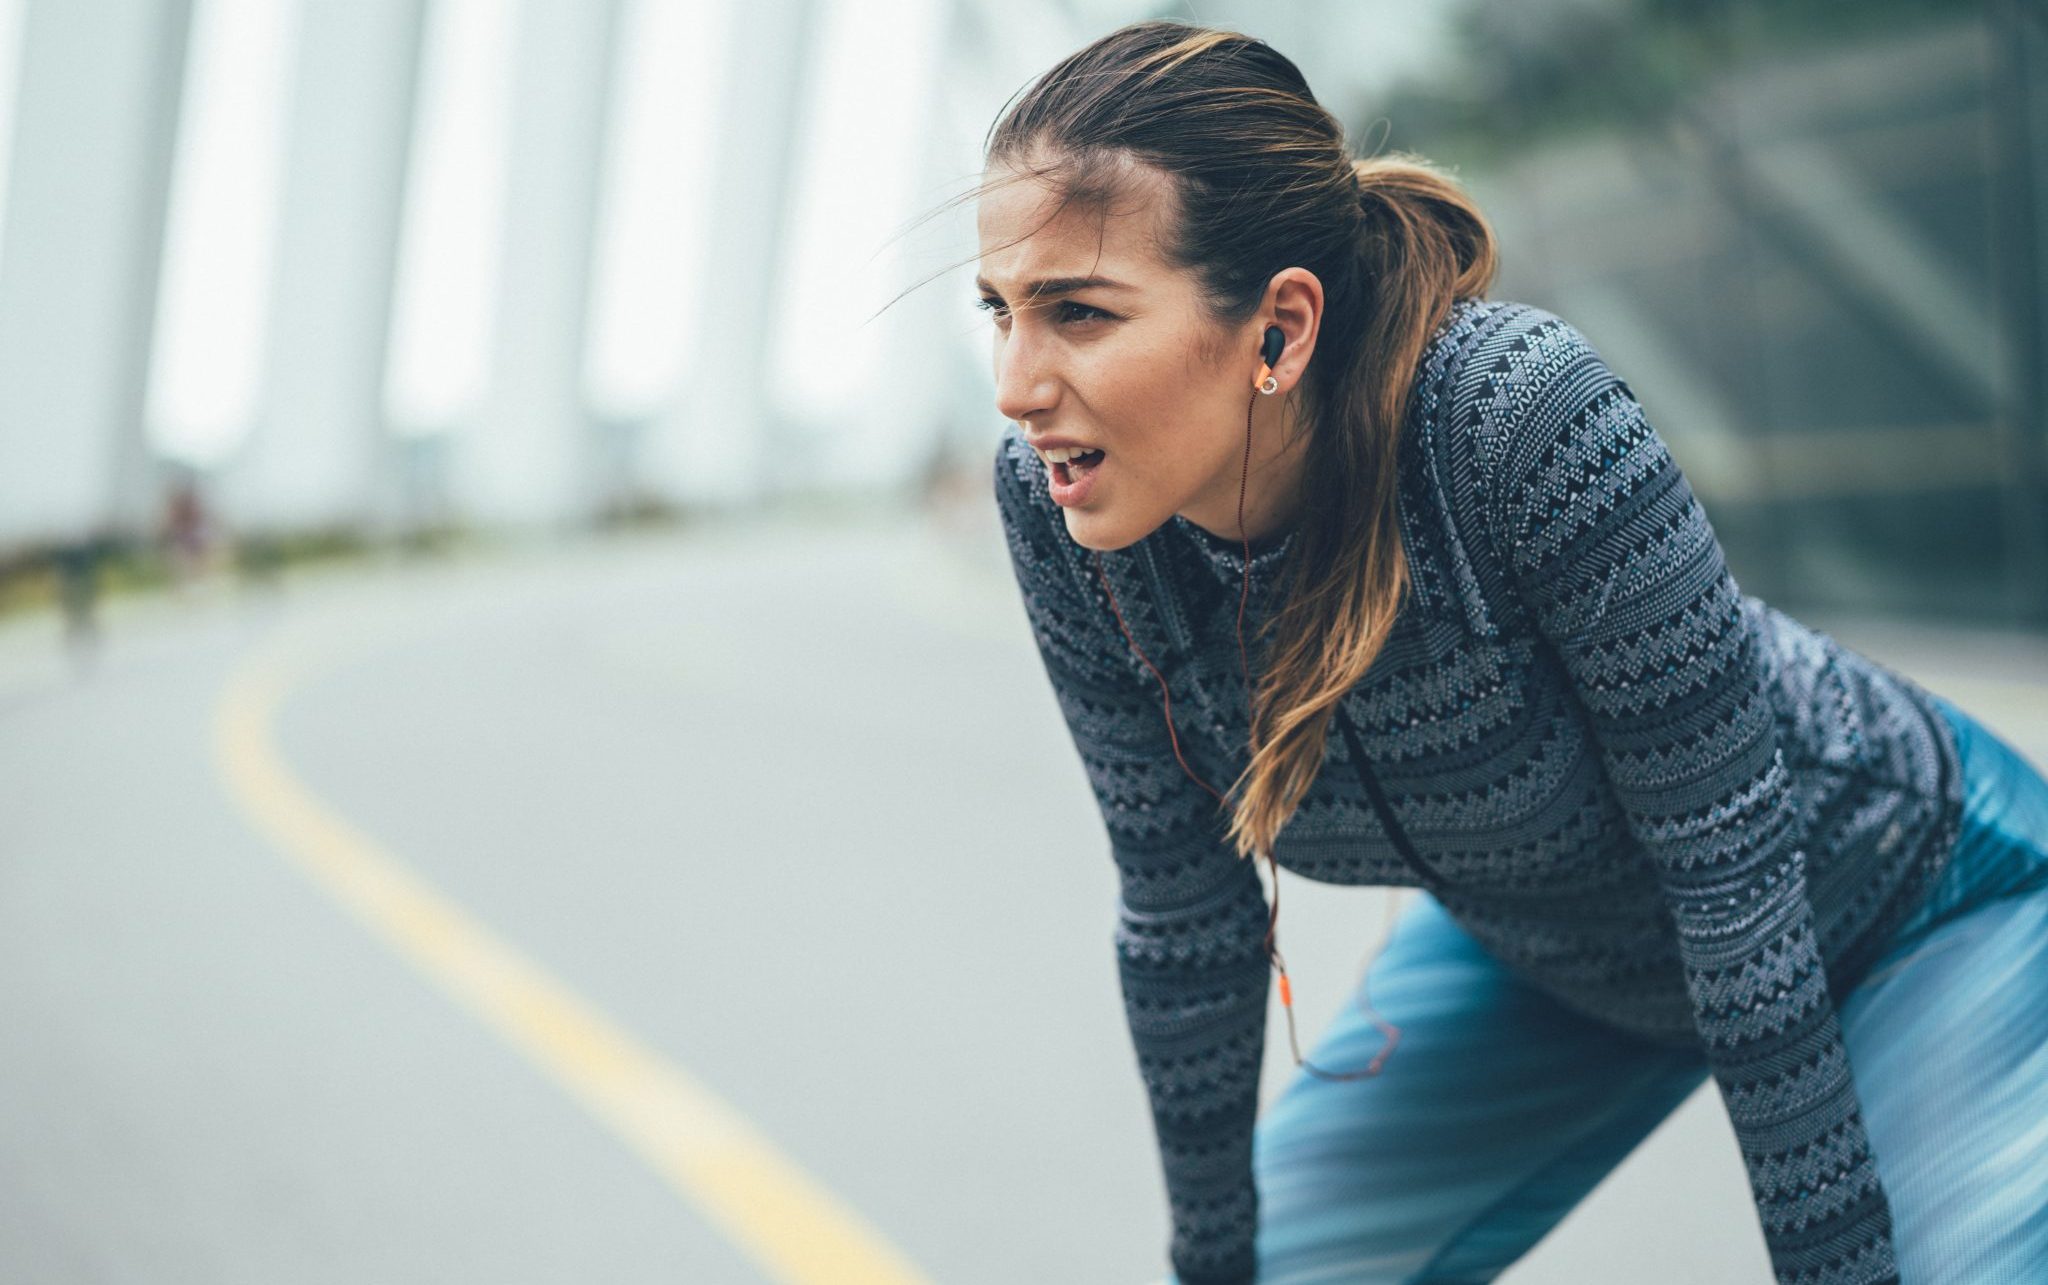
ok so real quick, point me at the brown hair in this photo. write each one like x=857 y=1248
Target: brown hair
x=1261 y=179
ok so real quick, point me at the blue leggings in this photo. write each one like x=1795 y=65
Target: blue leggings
x=1502 y=1110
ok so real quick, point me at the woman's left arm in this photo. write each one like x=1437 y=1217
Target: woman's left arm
x=1623 y=574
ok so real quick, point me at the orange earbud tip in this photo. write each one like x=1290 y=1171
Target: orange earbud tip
x=1286 y=992
x=1260 y=378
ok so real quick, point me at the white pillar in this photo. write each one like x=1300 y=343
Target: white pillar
x=530 y=460
x=95 y=122
x=318 y=455
x=943 y=383
x=718 y=444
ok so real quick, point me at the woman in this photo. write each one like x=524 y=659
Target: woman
x=1663 y=830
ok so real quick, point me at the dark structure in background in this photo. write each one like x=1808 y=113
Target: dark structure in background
x=1813 y=237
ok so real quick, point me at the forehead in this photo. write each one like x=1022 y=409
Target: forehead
x=1027 y=236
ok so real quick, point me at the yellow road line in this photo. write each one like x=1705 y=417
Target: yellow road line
x=792 y=1227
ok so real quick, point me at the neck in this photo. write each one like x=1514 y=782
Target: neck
x=1271 y=488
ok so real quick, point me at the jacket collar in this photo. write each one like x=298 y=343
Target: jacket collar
x=1224 y=555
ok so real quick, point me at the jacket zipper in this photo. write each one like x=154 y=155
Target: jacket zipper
x=1429 y=878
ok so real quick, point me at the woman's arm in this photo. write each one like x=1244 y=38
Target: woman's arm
x=1191 y=915
x=1622 y=573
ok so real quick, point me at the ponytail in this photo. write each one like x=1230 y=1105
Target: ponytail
x=1420 y=244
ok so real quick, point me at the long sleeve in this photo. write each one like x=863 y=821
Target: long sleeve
x=1191 y=915
x=1622 y=574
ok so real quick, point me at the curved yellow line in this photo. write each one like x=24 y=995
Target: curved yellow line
x=791 y=1226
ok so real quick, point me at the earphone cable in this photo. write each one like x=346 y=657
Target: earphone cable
x=1272 y=948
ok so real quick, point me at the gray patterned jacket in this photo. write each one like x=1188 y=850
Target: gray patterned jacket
x=1661 y=801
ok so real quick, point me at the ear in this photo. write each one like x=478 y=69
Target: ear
x=1294 y=302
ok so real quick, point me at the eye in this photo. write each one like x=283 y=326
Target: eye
x=1068 y=312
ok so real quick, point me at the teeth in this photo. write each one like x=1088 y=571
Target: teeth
x=1061 y=454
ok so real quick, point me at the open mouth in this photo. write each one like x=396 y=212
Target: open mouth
x=1077 y=466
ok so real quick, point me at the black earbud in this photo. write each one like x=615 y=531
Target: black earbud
x=1275 y=340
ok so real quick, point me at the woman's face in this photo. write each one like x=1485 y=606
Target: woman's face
x=1121 y=359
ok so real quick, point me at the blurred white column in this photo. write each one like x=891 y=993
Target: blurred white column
x=719 y=444
x=318 y=455
x=96 y=118
x=530 y=460
x=933 y=379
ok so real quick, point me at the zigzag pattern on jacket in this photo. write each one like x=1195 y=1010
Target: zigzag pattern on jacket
x=1661 y=801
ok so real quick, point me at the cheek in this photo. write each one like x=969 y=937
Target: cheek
x=1157 y=410
x=1160 y=409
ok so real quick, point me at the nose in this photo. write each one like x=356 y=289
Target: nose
x=1025 y=383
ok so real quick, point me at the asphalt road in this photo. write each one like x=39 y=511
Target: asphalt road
x=721 y=907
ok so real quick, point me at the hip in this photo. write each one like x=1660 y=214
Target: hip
x=2001 y=848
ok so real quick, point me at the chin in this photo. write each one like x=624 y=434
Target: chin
x=1101 y=532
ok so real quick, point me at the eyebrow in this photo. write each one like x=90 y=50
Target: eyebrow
x=1052 y=286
